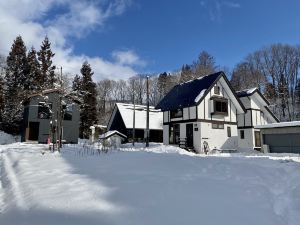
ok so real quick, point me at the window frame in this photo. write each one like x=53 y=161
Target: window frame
x=242 y=134
x=216 y=90
x=223 y=106
x=42 y=108
x=228 y=131
x=219 y=126
x=68 y=112
x=176 y=113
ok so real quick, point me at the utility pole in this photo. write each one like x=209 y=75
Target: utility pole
x=133 y=125
x=147 y=123
x=60 y=114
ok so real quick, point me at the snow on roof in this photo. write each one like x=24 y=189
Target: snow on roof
x=281 y=124
x=155 y=116
x=111 y=133
x=246 y=92
x=197 y=99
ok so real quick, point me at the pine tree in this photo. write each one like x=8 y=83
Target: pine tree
x=15 y=89
x=76 y=84
x=45 y=56
x=34 y=73
x=88 y=114
x=1 y=99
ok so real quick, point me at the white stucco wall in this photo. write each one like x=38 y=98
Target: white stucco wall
x=217 y=138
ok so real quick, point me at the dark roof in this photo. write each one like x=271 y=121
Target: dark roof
x=249 y=92
x=246 y=92
x=184 y=94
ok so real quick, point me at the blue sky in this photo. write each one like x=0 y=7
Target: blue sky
x=140 y=36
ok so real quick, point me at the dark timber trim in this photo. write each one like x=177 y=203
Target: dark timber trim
x=246 y=127
x=201 y=120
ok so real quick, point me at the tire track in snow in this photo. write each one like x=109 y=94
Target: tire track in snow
x=7 y=169
x=1 y=186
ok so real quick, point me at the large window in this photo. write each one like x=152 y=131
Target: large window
x=174 y=134
x=44 y=110
x=220 y=106
x=68 y=109
x=218 y=125
x=176 y=113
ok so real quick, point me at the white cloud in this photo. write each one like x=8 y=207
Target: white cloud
x=215 y=8
x=31 y=19
x=127 y=58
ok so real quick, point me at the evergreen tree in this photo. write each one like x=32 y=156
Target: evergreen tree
x=88 y=114
x=76 y=84
x=45 y=56
x=1 y=99
x=34 y=73
x=15 y=89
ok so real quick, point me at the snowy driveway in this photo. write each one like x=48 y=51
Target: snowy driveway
x=145 y=188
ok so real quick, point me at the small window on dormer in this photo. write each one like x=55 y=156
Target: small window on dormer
x=216 y=90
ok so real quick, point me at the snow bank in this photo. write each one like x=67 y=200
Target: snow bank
x=7 y=138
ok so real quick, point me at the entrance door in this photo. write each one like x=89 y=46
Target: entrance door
x=33 y=131
x=189 y=136
x=257 y=139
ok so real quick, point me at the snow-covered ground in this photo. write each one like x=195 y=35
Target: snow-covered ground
x=139 y=186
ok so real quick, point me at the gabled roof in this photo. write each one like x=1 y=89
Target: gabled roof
x=111 y=133
x=126 y=111
x=184 y=94
x=246 y=92
x=191 y=93
x=44 y=92
x=251 y=92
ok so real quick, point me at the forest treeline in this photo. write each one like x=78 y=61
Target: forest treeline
x=273 y=69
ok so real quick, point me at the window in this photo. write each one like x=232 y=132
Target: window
x=217 y=90
x=176 y=113
x=242 y=134
x=228 y=131
x=220 y=106
x=218 y=126
x=68 y=111
x=44 y=110
x=174 y=134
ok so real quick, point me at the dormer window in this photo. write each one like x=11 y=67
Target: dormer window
x=216 y=90
x=176 y=113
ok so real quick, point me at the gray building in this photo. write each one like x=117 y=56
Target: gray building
x=280 y=137
x=41 y=117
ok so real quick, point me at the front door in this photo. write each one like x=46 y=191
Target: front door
x=33 y=131
x=189 y=136
x=257 y=139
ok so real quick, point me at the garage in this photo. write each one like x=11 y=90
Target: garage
x=281 y=137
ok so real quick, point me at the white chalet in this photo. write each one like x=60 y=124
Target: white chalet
x=203 y=114
x=257 y=113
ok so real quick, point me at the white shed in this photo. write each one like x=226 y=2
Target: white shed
x=113 y=138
